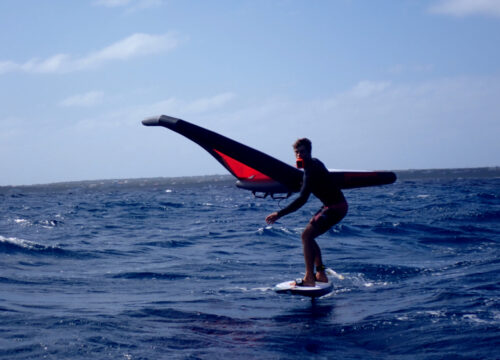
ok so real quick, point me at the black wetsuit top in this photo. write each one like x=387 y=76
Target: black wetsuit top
x=317 y=180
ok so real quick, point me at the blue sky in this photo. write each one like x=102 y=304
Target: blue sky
x=388 y=84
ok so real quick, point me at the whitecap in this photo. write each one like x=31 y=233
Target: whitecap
x=19 y=242
x=474 y=318
x=22 y=221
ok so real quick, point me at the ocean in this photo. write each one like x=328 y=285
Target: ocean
x=183 y=268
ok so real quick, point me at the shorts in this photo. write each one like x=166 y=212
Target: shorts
x=328 y=216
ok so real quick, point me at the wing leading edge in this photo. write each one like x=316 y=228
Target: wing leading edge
x=257 y=171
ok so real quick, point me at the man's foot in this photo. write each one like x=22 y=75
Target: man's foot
x=321 y=277
x=304 y=282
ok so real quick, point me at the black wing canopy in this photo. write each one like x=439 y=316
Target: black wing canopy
x=257 y=171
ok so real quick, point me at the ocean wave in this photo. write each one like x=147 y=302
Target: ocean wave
x=141 y=275
x=169 y=204
x=276 y=231
x=170 y=313
x=384 y=272
x=15 y=245
x=47 y=223
x=10 y=280
x=166 y=243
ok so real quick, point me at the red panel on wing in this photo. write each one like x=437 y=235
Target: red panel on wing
x=241 y=170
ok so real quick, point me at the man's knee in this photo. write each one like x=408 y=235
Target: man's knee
x=309 y=234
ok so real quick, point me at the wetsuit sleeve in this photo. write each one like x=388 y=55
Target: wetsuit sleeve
x=299 y=201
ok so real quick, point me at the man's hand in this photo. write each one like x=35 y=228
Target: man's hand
x=271 y=218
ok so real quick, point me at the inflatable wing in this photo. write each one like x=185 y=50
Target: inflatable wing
x=259 y=172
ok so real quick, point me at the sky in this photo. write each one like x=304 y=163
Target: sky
x=386 y=84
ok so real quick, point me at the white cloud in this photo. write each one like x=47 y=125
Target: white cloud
x=7 y=66
x=180 y=107
x=440 y=123
x=132 y=115
x=88 y=99
x=368 y=88
x=418 y=68
x=467 y=7
x=133 y=46
x=130 y=5
x=209 y=103
x=112 y=3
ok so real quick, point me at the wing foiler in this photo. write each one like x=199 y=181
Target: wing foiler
x=256 y=171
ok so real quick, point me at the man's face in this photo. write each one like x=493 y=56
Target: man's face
x=301 y=152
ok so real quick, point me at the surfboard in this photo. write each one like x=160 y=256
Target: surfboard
x=320 y=289
x=289 y=287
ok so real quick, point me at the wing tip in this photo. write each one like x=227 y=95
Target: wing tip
x=151 y=121
x=160 y=120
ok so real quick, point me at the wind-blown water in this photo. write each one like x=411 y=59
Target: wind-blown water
x=184 y=269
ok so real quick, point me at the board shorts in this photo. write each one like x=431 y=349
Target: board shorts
x=328 y=216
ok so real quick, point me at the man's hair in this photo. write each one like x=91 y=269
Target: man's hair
x=303 y=142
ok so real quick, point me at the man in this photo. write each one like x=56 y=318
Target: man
x=316 y=181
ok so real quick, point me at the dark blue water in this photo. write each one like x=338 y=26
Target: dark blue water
x=184 y=269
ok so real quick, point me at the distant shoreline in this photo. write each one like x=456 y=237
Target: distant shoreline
x=402 y=175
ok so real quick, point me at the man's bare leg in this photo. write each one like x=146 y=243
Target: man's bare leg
x=320 y=274
x=311 y=254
